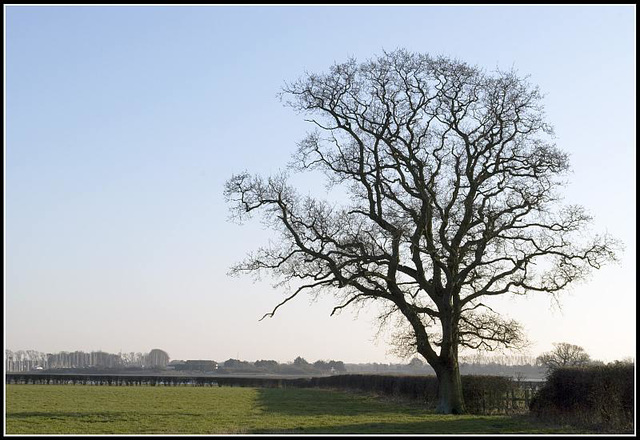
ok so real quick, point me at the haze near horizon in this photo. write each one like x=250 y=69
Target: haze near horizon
x=123 y=123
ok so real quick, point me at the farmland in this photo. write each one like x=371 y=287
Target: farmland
x=84 y=409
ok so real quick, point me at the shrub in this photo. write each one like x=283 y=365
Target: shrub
x=597 y=397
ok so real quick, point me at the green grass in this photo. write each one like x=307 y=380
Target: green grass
x=69 y=409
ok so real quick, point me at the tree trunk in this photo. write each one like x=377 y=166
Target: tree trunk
x=450 y=400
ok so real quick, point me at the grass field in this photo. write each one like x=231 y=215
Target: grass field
x=69 y=409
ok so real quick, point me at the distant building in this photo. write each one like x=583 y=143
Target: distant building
x=194 y=365
x=175 y=365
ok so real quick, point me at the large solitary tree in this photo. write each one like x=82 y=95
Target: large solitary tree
x=452 y=183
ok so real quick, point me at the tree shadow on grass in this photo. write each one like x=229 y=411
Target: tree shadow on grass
x=309 y=405
x=317 y=402
x=454 y=426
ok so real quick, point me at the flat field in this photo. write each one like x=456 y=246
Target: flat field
x=84 y=409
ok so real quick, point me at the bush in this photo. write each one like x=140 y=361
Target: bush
x=597 y=397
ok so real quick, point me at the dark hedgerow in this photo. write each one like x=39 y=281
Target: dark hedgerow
x=488 y=394
x=597 y=397
x=482 y=394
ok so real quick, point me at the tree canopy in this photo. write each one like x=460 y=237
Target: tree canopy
x=564 y=355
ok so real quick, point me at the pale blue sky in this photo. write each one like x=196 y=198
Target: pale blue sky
x=123 y=123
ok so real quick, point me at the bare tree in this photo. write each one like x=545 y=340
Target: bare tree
x=451 y=180
x=563 y=355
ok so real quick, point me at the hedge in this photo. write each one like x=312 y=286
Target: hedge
x=482 y=394
x=595 y=397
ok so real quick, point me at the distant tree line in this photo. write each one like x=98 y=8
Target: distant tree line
x=509 y=366
x=520 y=367
x=512 y=366
x=299 y=366
x=29 y=360
x=24 y=360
